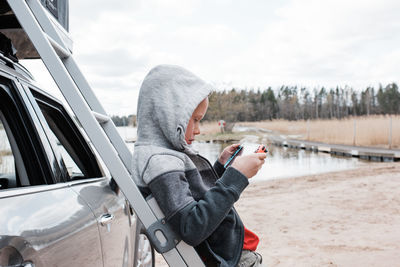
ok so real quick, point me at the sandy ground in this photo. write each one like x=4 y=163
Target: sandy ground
x=348 y=218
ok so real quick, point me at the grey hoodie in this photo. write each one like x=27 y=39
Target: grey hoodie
x=196 y=198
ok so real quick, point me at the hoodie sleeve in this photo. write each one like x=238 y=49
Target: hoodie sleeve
x=219 y=168
x=194 y=220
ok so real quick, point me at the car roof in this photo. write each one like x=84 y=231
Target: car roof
x=14 y=69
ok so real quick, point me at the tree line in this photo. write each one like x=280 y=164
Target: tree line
x=124 y=120
x=294 y=103
x=300 y=103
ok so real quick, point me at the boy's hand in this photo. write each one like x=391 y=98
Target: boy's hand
x=228 y=152
x=249 y=164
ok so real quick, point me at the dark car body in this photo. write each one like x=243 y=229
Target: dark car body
x=58 y=205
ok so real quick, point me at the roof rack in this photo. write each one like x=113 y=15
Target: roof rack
x=55 y=11
x=49 y=40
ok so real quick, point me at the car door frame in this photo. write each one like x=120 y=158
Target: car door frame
x=35 y=94
x=24 y=239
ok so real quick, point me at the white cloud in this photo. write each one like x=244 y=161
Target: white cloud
x=323 y=42
x=230 y=43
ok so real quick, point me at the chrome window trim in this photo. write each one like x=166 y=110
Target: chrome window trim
x=13 y=192
x=86 y=181
x=13 y=74
x=42 y=137
x=19 y=191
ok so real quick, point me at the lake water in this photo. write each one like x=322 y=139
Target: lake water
x=284 y=162
x=280 y=163
x=127 y=133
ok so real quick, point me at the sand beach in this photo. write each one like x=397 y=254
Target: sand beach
x=346 y=218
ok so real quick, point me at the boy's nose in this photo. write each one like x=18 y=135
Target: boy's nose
x=196 y=130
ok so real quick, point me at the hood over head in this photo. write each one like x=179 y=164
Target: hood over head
x=168 y=97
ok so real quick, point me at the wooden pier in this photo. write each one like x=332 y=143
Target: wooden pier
x=366 y=153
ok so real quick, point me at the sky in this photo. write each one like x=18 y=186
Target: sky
x=232 y=43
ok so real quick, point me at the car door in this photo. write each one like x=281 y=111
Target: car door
x=43 y=222
x=116 y=222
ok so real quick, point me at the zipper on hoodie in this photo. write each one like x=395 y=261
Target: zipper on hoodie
x=211 y=167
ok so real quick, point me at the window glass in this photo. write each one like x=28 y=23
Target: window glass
x=100 y=161
x=7 y=165
x=12 y=169
x=70 y=164
x=102 y=164
x=77 y=157
x=23 y=161
x=70 y=157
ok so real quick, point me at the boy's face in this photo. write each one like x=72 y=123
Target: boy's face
x=193 y=127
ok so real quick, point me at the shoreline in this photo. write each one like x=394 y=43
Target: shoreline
x=344 y=218
x=362 y=152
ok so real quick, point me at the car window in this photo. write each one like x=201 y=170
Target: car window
x=11 y=162
x=7 y=163
x=6 y=157
x=70 y=159
x=21 y=158
x=77 y=156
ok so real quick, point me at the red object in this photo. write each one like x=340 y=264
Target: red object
x=261 y=149
x=251 y=240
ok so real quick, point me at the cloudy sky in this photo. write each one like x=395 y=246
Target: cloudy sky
x=253 y=43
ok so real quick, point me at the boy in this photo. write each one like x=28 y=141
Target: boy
x=196 y=198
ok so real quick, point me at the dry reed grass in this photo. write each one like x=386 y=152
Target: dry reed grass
x=370 y=130
x=209 y=127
